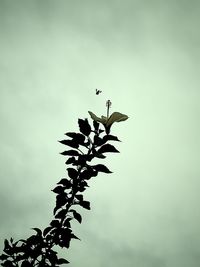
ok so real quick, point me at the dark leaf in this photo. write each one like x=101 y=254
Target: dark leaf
x=84 y=127
x=70 y=160
x=55 y=223
x=79 y=197
x=73 y=174
x=62 y=261
x=98 y=141
x=96 y=125
x=101 y=168
x=79 y=138
x=67 y=222
x=77 y=216
x=58 y=189
x=61 y=214
x=61 y=200
x=66 y=183
x=47 y=230
x=70 y=153
x=86 y=174
x=71 y=134
x=110 y=137
x=39 y=232
x=70 y=143
x=6 y=244
x=85 y=204
x=3 y=257
x=107 y=148
x=74 y=236
x=52 y=257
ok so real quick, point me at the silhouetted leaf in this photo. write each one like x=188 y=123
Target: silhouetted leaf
x=6 y=244
x=107 y=148
x=3 y=257
x=58 y=189
x=110 y=137
x=79 y=197
x=62 y=261
x=70 y=153
x=96 y=125
x=86 y=174
x=77 y=216
x=55 y=223
x=85 y=204
x=98 y=141
x=71 y=134
x=70 y=143
x=73 y=174
x=39 y=232
x=101 y=168
x=61 y=214
x=60 y=201
x=74 y=236
x=65 y=182
x=67 y=222
x=70 y=160
x=84 y=127
x=47 y=230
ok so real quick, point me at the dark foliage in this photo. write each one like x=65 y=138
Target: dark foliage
x=38 y=249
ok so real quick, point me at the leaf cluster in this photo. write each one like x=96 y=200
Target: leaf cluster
x=38 y=249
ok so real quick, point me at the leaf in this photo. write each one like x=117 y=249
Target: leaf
x=52 y=257
x=55 y=223
x=70 y=160
x=77 y=216
x=47 y=230
x=110 y=137
x=60 y=201
x=67 y=222
x=79 y=197
x=84 y=127
x=96 y=125
x=107 y=148
x=70 y=143
x=6 y=244
x=85 y=204
x=3 y=257
x=7 y=263
x=86 y=174
x=65 y=182
x=71 y=134
x=70 y=153
x=101 y=168
x=62 y=261
x=98 y=141
x=39 y=232
x=73 y=174
x=61 y=214
x=58 y=189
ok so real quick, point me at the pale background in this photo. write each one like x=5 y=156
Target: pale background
x=144 y=56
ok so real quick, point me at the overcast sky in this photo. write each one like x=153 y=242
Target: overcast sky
x=145 y=57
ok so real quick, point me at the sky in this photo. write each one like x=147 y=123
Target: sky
x=145 y=57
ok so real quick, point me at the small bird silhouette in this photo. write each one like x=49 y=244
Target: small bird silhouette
x=98 y=92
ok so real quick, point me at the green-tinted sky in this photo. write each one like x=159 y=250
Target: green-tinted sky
x=145 y=57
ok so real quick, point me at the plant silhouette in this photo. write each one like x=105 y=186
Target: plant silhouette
x=39 y=249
